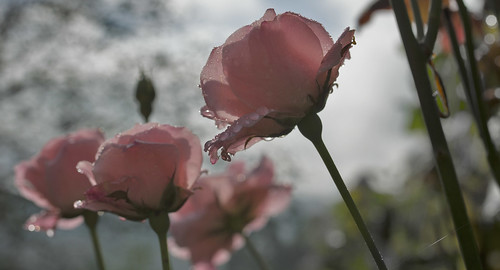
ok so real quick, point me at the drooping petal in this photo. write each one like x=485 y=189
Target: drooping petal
x=248 y=130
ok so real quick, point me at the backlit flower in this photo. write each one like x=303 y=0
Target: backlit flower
x=209 y=226
x=51 y=181
x=267 y=76
x=143 y=171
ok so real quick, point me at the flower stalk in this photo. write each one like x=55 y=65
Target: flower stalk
x=474 y=87
x=311 y=128
x=91 y=219
x=417 y=59
x=256 y=255
x=160 y=224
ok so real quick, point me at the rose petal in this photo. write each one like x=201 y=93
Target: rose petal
x=30 y=182
x=153 y=165
x=112 y=197
x=264 y=69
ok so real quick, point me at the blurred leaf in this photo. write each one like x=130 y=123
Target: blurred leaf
x=416 y=120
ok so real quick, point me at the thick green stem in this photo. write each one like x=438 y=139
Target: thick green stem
x=311 y=128
x=442 y=156
x=160 y=224
x=91 y=219
x=256 y=255
x=432 y=26
x=475 y=89
x=417 y=17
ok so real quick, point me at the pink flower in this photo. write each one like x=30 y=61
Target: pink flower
x=209 y=226
x=145 y=170
x=267 y=76
x=51 y=181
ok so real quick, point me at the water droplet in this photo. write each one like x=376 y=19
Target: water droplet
x=78 y=204
x=50 y=233
x=268 y=139
x=31 y=228
x=207 y=113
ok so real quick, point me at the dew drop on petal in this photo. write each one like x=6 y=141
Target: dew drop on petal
x=78 y=204
x=268 y=139
x=207 y=113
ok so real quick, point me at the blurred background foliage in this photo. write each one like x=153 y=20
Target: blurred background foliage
x=55 y=77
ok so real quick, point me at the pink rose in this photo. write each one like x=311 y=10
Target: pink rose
x=267 y=76
x=51 y=181
x=145 y=170
x=209 y=226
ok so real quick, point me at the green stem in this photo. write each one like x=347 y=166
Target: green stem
x=256 y=255
x=444 y=164
x=417 y=16
x=160 y=224
x=91 y=219
x=476 y=90
x=311 y=128
x=432 y=26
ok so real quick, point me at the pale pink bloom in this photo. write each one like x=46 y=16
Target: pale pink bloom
x=148 y=169
x=209 y=226
x=51 y=181
x=267 y=76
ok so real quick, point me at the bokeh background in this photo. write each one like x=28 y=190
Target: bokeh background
x=67 y=64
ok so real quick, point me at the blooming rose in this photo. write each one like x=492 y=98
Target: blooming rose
x=145 y=170
x=51 y=181
x=209 y=226
x=267 y=76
